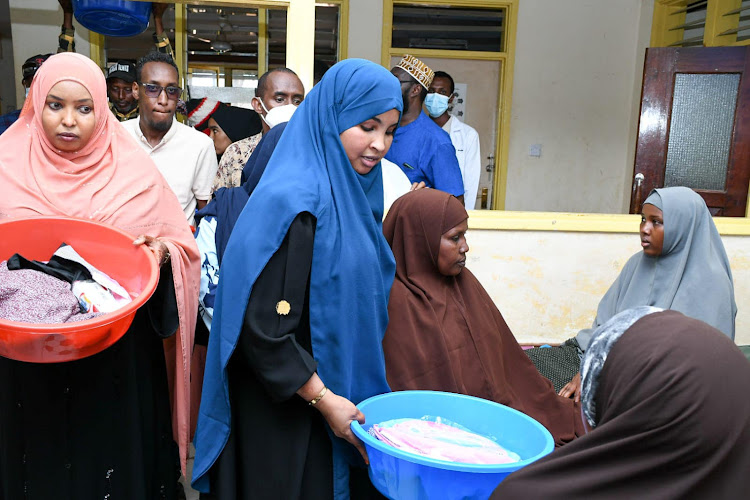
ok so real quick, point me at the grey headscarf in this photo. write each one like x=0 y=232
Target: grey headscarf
x=691 y=275
x=602 y=341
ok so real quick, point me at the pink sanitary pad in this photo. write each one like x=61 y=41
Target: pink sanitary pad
x=433 y=438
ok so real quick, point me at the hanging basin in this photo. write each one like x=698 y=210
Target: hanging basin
x=113 y=17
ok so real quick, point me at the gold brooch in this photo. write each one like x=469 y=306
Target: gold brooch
x=283 y=307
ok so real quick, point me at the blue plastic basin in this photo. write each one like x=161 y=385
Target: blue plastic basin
x=113 y=17
x=400 y=475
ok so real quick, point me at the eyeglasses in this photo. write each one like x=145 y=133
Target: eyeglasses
x=152 y=90
x=406 y=81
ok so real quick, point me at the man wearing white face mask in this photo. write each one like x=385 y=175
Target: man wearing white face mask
x=279 y=93
x=464 y=138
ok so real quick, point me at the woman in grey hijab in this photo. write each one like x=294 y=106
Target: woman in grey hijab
x=683 y=266
x=689 y=272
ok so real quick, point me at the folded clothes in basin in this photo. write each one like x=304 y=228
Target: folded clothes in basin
x=33 y=297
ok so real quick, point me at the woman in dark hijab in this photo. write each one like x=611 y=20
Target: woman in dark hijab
x=445 y=332
x=667 y=401
x=236 y=133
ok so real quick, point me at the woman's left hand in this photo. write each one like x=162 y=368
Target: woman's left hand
x=160 y=250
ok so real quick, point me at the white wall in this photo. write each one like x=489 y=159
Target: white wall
x=576 y=91
x=365 y=29
x=36 y=26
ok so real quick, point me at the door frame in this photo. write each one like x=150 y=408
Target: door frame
x=505 y=83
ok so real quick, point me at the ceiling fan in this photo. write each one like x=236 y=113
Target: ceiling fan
x=219 y=43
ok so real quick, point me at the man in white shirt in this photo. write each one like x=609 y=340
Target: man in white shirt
x=464 y=138
x=184 y=156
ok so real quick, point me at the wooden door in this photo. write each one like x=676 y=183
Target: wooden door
x=694 y=127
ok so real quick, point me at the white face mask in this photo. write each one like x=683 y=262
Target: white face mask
x=279 y=114
x=27 y=92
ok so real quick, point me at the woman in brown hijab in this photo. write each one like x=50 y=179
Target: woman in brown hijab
x=444 y=331
x=670 y=416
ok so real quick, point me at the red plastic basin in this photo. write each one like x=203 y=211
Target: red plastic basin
x=105 y=247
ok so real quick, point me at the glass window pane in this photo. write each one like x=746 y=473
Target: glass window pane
x=200 y=77
x=700 y=135
x=449 y=28
x=326 y=38
x=219 y=36
x=276 y=38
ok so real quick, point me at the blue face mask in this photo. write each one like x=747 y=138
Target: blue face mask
x=436 y=104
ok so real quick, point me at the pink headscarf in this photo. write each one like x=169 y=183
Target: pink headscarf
x=110 y=180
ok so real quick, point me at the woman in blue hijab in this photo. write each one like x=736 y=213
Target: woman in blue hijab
x=298 y=325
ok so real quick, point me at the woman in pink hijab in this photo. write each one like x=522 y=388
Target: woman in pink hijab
x=103 y=426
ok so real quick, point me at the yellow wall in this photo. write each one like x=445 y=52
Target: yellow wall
x=548 y=281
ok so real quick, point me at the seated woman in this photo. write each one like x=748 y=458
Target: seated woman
x=666 y=399
x=236 y=132
x=101 y=426
x=444 y=331
x=300 y=316
x=683 y=266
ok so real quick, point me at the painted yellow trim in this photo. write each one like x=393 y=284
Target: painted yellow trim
x=180 y=41
x=662 y=21
x=252 y=4
x=97 y=53
x=584 y=223
x=300 y=40
x=262 y=41
x=717 y=22
x=343 y=43
x=505 y=99
x=387 y=38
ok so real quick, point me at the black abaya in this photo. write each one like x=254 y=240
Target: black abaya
x=95 y=428
x=278 y=446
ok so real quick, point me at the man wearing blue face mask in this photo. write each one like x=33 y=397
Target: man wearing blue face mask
x=464 y=138
x=421 y=148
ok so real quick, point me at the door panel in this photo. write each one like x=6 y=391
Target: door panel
x=694 y=127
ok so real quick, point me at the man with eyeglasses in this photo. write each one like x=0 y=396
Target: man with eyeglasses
x=421 y=148
x=184 y=156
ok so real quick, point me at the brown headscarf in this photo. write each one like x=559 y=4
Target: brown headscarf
x=113 y=181
x=445 y=333
x=673 y=421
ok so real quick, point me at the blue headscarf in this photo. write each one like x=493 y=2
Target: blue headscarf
x=352 y=268
x=258 y=161
x=227 y=203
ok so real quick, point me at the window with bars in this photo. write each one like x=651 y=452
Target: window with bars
x=689 y=23
x=448 y=28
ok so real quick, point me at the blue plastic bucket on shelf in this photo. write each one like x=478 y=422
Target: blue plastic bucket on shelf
x=401 y=475
x=113 y=17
